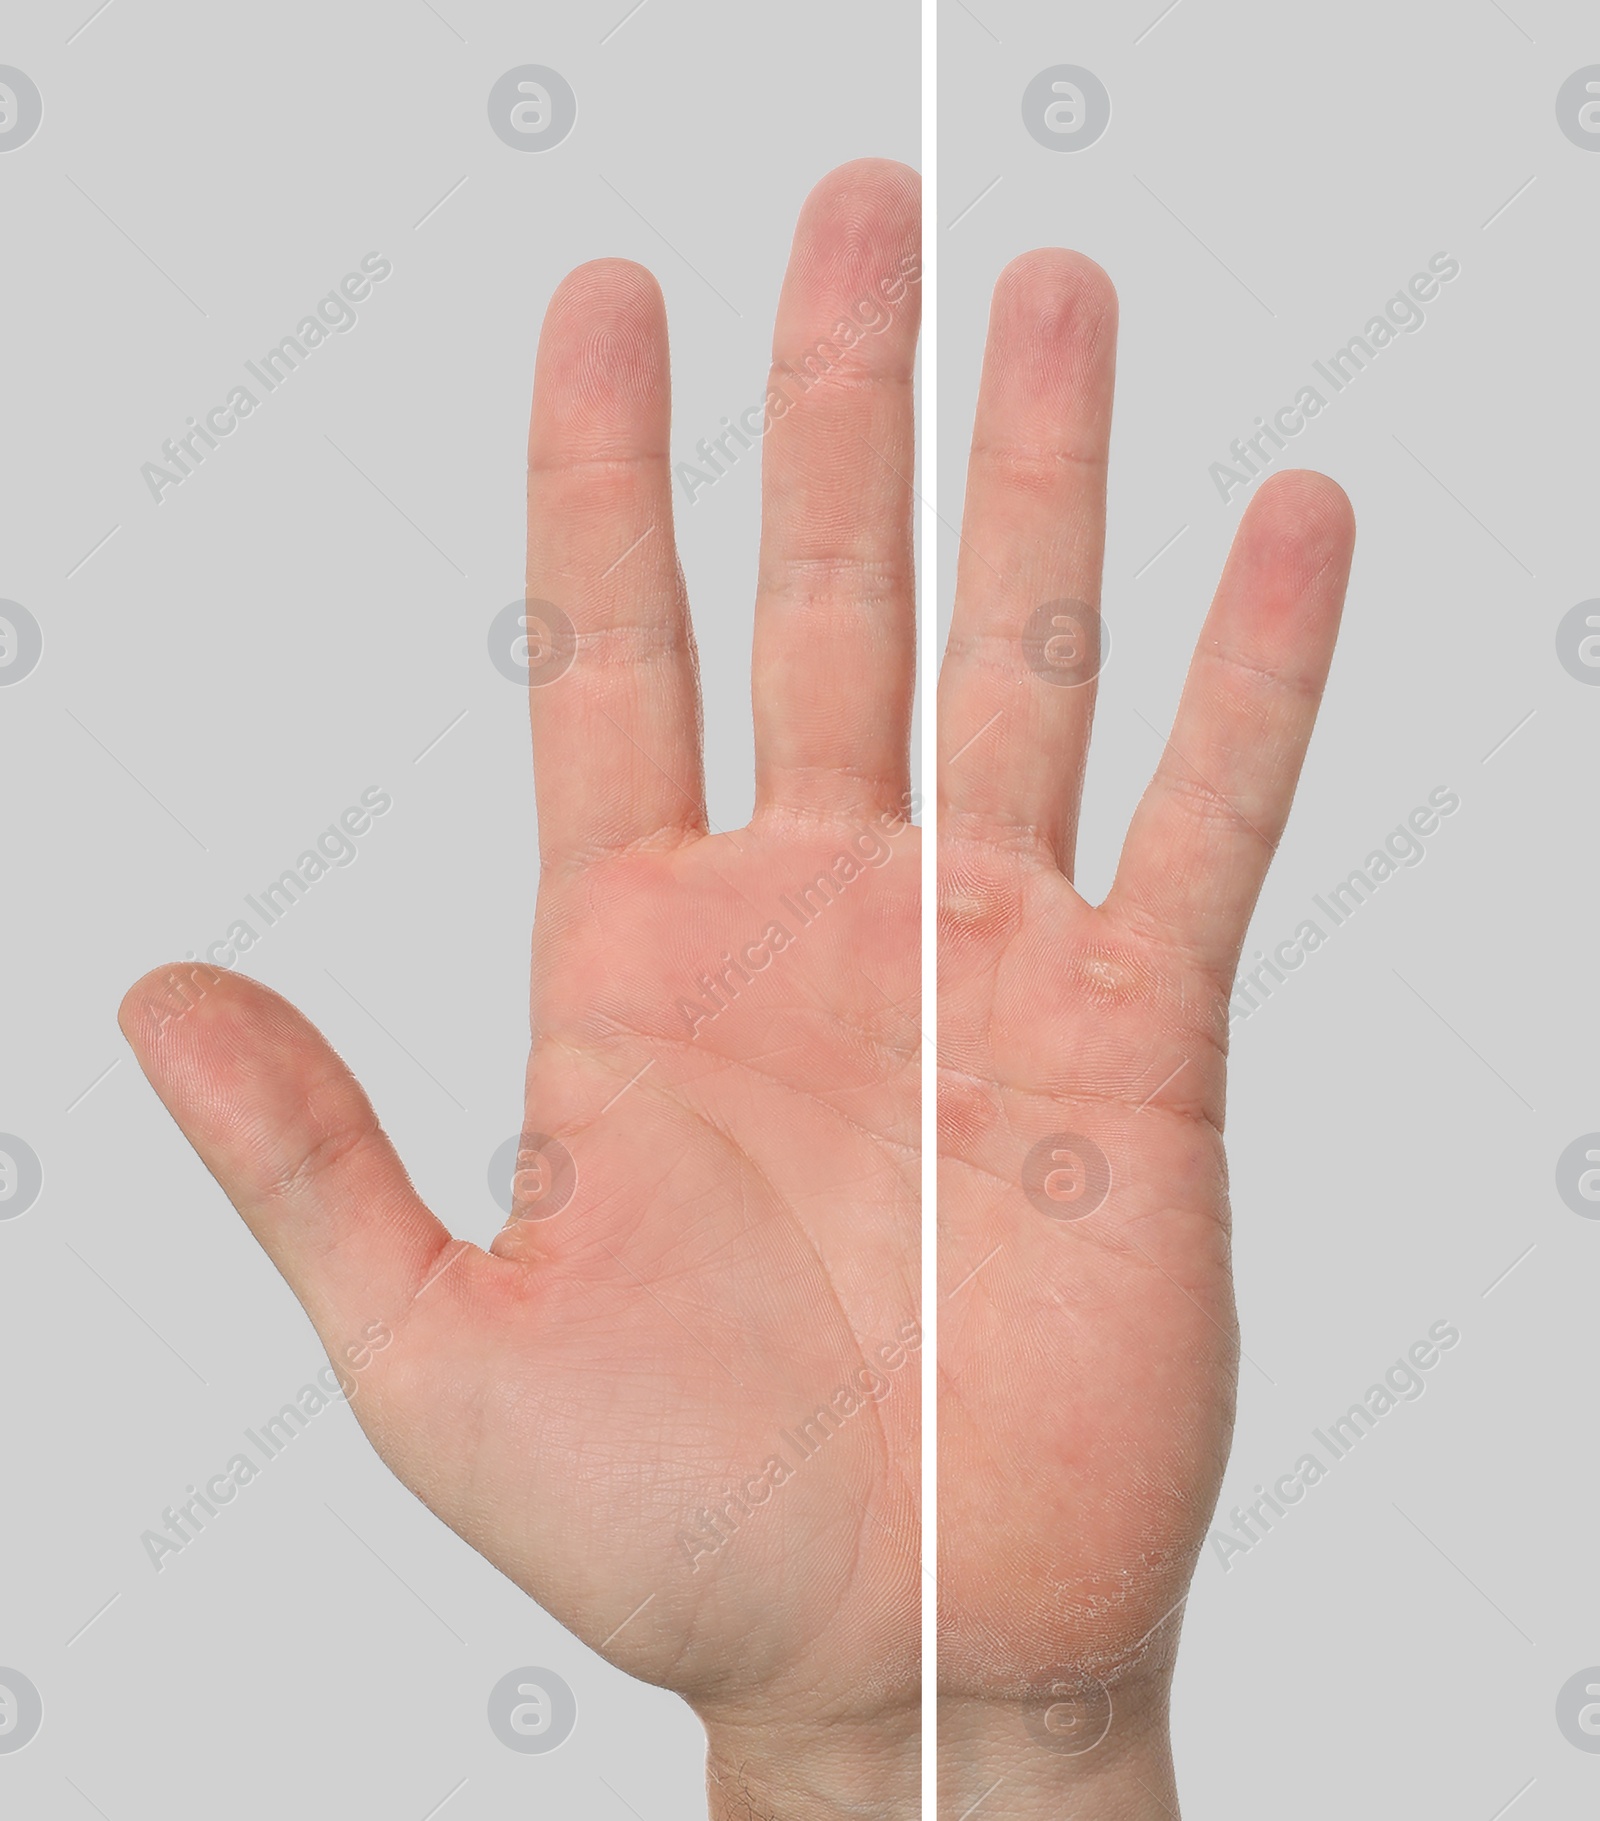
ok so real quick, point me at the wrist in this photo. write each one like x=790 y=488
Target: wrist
x=1110 y=1757
x=849 y=1771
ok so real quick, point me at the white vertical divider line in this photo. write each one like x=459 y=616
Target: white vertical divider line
x=928 y=662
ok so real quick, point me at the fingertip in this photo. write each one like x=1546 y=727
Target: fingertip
x=602 y=375
x=1300 y=525
x=213 y=1040
x=857 y=258
x=605 y=289
x=1049 y=361
x=882 y=186
x=1053 y=294
x=158 y=998
x=1291 y=558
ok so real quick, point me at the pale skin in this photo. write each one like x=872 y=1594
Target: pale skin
x=741 y=1246
x=1087 y=1363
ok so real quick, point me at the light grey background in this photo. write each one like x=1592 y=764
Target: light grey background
x=223 y=674
x=1271 y=176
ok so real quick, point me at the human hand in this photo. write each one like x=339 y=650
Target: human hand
x=1088 y=1346
x=614 y=1402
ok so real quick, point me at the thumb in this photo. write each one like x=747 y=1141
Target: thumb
x=284 y=1127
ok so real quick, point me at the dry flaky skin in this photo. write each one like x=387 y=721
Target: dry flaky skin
x=596 y=1402
x=1087 y=1365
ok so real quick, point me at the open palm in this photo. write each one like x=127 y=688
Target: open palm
x=1088 y=1343
x=676 y=1400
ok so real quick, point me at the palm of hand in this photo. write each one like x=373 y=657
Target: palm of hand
x=598 y=1402
x=1087 y=1340
x=1088 y=1345
x=676 y=1401
x=728 y=1047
